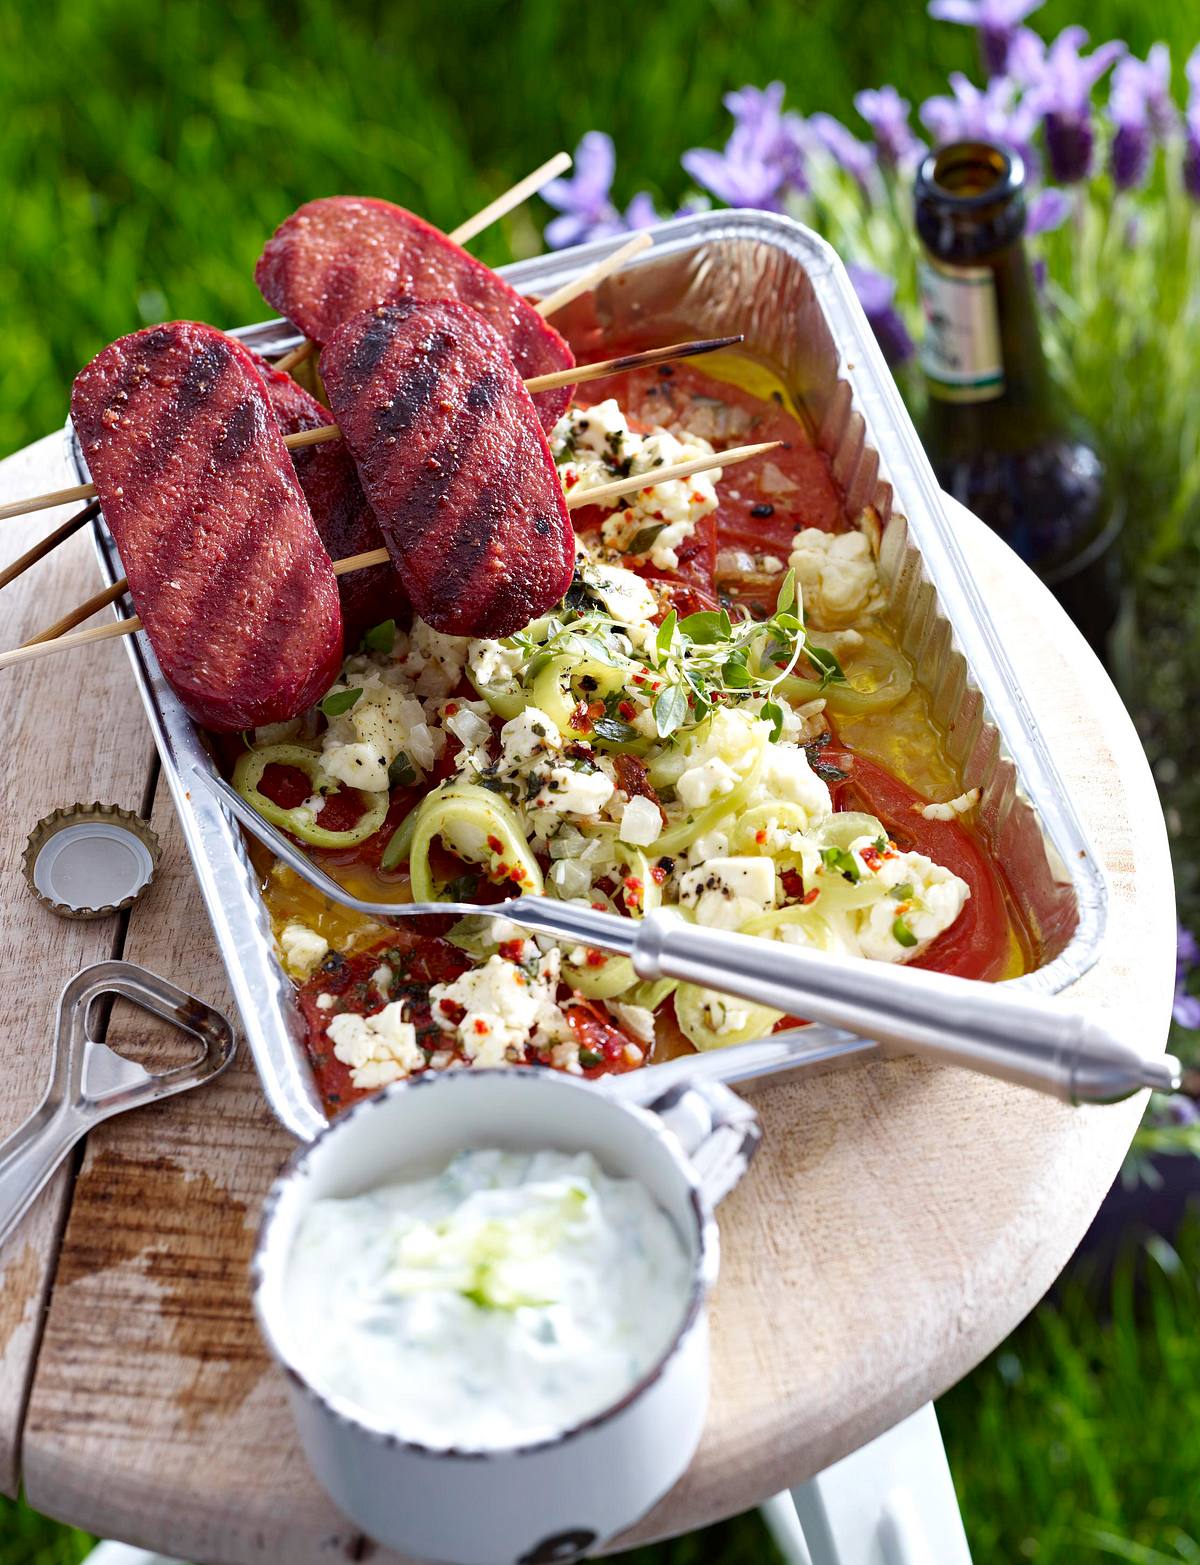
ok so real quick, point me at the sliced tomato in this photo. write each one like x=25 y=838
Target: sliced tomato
x=418 y=961
x=977 y=944
x=602 y=1044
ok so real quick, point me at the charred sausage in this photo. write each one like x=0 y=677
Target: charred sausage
x=452 y=457
x=225 y=565
x=341 y=255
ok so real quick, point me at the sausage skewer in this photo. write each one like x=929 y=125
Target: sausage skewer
x=323 y=432
x=484 y=218
x=619 y=486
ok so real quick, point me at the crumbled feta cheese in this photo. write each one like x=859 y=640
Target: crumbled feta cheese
x=528 y=734
x=359 y=745
x=836 y=575
x=726 y=892
x=952 y=807
x=496 y=1009
x=699 y=785
x=787 y=775
x=383 y=978
x=641 y=822
x=730 y=746
x=379 y=1048
x=721 y=1016
x=434 y=660
x=628 y=598
x=277 y=733
x=637 y=1020
x=303 y=949
x=493 y=664
x=324 y=1002
x=591 y=445
x=571 y=792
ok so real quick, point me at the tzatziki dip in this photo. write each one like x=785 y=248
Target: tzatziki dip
x=497 y=1303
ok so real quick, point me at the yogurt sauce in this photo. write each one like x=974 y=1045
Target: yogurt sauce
x=496 y=1303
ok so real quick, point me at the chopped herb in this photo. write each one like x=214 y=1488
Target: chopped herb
x=903 y=933
x=772 y=712
x=381 y=638
x=612 y=728
x=787 y=588
x=402 y=773
x=643 y=540
x=735 y=672
x=339 y=701
x=666 y=634
x=902 y=893
x=707 y=627
x=825 y=664
x=590 y=1057
x=844 y=862
x=670 y=710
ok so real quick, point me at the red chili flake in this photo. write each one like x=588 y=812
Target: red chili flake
x=760 y=837
x=480 y=1026
x=512 y=950
x=451 y=708
x=658 y=874
x=572 y=480
x=595 y=958
x=632 y=883
x=627 y=710
x=452 y=1011
x=596 y=710
x=810 y=897
x=697 y=499
x=495 y=844
x=600 y=907
x=579 y=718
x=871 y=856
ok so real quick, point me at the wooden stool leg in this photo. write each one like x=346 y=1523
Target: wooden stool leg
x=890 y=1503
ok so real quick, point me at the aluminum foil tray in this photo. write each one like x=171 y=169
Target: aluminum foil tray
x=786 y=290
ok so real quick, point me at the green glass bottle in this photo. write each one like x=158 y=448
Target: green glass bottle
x=997 y=430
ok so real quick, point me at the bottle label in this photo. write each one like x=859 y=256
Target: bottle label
x=960 y=350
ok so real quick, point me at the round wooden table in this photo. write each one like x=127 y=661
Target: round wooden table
x=898 y=1223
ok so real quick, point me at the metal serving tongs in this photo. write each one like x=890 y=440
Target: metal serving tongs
x=90 y=1082
x=991 y=1028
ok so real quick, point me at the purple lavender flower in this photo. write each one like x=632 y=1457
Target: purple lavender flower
x=1048 y=210
x=1142 y=111
x=886 y=112
x=1191 y=146
x=972 y=115
x=1186 y=1009
x=1063 y=96
x=856 y=157
x=642 y=213
x=583 y=200
x=763 y=158
x=877 y=294
x=996 y=22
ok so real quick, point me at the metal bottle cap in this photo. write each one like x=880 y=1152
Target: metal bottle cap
x=88 y=860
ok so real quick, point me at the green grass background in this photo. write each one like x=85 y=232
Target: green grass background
x=147 y=150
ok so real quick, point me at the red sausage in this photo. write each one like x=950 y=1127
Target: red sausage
x=338 y=256
x=454 y=462
x=225 y=565
x=344 y=520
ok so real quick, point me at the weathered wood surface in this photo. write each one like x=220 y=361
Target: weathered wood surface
x=898 y=1223
x=71 y=734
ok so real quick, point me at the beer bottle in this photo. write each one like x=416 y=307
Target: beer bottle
x=998 y=432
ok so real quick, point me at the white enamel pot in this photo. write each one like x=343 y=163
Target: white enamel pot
x=558 y=1498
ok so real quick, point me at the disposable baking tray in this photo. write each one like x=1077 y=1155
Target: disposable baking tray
x=786 y=290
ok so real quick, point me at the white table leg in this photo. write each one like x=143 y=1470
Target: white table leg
x=890 y=1503
x=126 y=1554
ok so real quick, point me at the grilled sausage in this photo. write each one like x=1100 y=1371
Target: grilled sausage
x=454 y=462
x=344 y=519
x=225 y=565
x=338 y=256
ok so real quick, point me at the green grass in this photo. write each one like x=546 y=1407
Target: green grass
x=148 y=151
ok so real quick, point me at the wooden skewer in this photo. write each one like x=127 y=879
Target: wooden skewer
x=492 y=213
x=503 y=204
x=50 y=541
x=297 y=356
x=594 y=275
x=358 y=562
x=577 y=376
x=43 y=502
